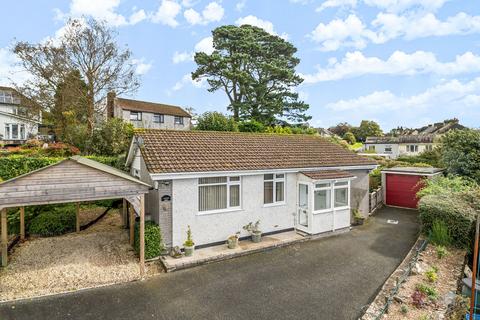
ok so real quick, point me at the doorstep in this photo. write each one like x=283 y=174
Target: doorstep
x=245 y=247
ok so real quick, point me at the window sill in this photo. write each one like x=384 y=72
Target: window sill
x=276 y=204
x=206 y=213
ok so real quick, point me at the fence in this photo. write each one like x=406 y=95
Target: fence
x=375 y=200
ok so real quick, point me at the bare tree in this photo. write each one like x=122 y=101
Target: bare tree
x=87 y=46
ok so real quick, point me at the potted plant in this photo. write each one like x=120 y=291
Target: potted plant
x=254 y=230
x=189 y=245
x=232 y=241
x=358 y=219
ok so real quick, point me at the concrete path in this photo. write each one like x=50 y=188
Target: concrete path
x=331 y=278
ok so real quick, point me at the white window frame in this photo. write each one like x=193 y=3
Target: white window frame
x=228 y=183
x=178 y=120
x=371 y=148
x=415 y=148
x=332 y=187
x=389 y=149
x=10 y=126
x=275 y=180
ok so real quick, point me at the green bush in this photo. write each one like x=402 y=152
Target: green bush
x=53 y=220
x=439 y=234
x=15 y=165
x=215 y=121
x=453 y=211
x=251 y=126
x=441 y=252
x=450 y=184
x=112 y=161
x=153 y=239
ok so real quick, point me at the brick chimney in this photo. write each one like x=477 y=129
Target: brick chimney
x=111 y=104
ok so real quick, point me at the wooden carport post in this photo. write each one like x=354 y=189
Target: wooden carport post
x=131 y=220
x=124 y=212
x=22 y=223
x=142 y=235
x=77 y=215
x=4 y=238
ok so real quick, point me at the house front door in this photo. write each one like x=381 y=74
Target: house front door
x=303 y=208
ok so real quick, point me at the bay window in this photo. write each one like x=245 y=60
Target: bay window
x=322 y=196
x=218 y=193
x=274 y=188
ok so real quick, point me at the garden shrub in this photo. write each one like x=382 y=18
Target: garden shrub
x=54 y=220
x=446 y=185
x=153 y=239
x=439 y=234
x=453 y=211
x=15 y=165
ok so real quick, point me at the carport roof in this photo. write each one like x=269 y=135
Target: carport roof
x=413 y=170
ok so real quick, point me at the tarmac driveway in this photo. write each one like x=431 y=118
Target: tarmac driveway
x=330 y=278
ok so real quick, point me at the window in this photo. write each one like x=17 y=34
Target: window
x=371 y=148
x=341 y=194
x=412 y=148
x=429 y=147
x=273 y=188
x=158 y=118
x=8 y=97
x=178 y=120
x=388 y=149
x=135 y=116
x=15 y=131
x=322 y=196
x=218 y=193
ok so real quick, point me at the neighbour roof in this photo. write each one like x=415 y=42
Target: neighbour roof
x=420 y=138
x=327 y=174
x=419 y=170
x=170 y=151
x=136 y=105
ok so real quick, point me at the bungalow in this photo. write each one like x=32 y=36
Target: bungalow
x=217 y=182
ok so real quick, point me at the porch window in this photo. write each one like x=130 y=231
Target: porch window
x=218 y=193
x=322 y=196
x=273 y=188
x=341 y=194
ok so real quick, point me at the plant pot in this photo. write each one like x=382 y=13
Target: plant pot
x=256 y=237
x=232 y=243
x=359 y=221
x=189 y=251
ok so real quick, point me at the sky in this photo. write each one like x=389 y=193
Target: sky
x=398 y=62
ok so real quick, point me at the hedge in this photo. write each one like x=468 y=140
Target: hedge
x=14 y=165
x=54 y=220
x=457 y=214
x=153 y=239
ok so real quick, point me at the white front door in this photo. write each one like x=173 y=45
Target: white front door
x=302 y=209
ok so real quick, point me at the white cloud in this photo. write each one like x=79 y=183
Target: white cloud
x=101 y=10
x=141 y=67
x=10 y=71
x=211 y=13
x=451 y=95
x=240 y=5
x=355 y=64
x=187 y=79
x=257 y=22
x=352 y=32
x=387 y=5
x=179 y=57
x=205 y=45
x=167 y=12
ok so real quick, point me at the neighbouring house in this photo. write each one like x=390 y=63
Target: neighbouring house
x=16 y=124
x=217 y=182
x=324 y=132
x=148 y=115
x=412 y=141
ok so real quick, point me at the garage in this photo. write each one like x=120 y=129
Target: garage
x=403 y=183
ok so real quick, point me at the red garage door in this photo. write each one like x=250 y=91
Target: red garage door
x=402 y=189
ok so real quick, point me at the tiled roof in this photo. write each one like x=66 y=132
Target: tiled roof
x=170 y=151
x=136 y=105
x=327 y=174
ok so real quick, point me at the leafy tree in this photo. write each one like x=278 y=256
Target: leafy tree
x=215 y=121
x=251 y=126
x=111 y=138
x=256 y=70
x=340 y=129
x=279 y=130
x=88 y=47
x=367 y=129
x=461 y=153
x=349 y=137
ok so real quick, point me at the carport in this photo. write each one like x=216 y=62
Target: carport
x=401 y=184
x=74 y=180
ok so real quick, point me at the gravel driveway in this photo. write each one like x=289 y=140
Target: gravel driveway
x=331 y=278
